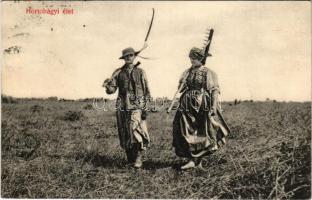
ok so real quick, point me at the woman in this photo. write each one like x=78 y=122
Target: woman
x=194 y=130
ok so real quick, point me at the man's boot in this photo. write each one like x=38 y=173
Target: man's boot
x=138 y=161
x=130 y=156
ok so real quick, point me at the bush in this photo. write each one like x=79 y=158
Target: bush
x=88 y=107
x=52 y=98
x=36 y=108
x=73 y=115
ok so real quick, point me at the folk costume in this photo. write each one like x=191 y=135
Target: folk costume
x=194 y=133
x=133 y=93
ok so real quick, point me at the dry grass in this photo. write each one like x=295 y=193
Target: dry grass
x=45 y=156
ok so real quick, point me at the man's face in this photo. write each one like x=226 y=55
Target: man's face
x=129 y=58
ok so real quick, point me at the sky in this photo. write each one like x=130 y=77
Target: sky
x=260 y=49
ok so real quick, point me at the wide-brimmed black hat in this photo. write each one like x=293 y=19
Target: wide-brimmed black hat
x=128 y=51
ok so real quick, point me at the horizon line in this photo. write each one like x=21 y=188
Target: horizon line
x=84 y=98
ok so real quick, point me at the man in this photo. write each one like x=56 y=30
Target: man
x=133 y=94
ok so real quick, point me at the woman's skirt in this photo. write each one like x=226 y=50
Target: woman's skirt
x=193 y=132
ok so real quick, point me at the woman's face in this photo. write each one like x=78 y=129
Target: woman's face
x=195 y=62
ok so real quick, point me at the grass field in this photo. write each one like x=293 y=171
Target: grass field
x=53 y=149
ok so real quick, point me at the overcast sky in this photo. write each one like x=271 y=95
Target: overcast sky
x=260 y=49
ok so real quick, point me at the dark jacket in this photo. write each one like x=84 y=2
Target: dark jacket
x=132 y=86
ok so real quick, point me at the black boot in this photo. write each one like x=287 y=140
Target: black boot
x=130 y=156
